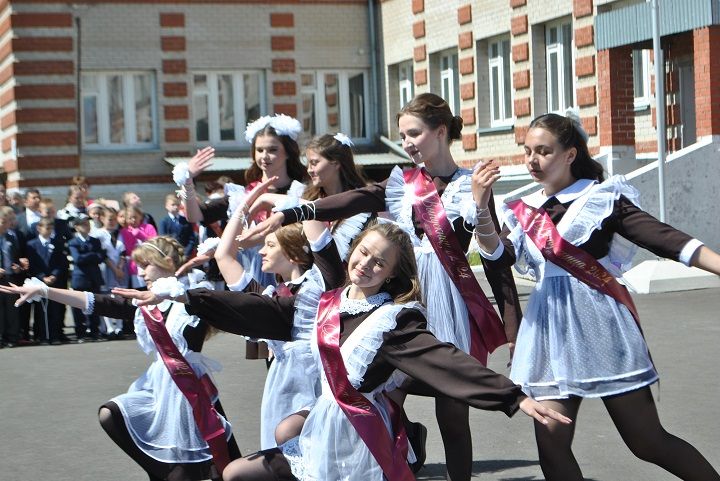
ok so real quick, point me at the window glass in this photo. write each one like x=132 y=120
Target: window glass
x=116 y=109
x=143 y=108
x=226 y=107
x=223 y=104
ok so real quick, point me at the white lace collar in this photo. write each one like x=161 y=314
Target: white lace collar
x=568 y=194
x=358 y=306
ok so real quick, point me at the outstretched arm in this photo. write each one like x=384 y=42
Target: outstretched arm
x=706 y=259
x=201 y=161
x=339 y=206
x=63 y=296
x=448 y=371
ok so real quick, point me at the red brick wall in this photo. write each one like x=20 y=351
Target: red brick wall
x=616 y=109
x=706 y=43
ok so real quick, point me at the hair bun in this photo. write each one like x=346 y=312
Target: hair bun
x=456 y=127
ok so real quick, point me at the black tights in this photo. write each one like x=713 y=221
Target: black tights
x=453 y=418
x=635 y=417
x=112 y=421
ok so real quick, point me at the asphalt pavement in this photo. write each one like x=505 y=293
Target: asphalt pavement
x=49 y=396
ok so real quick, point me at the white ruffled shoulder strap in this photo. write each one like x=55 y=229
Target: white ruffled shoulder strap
x=347 y=230
x=399 y=198
x=361 y=347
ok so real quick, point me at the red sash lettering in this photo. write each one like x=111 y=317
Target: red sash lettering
x=391 y=455
x=198 y=392
x=486 y=329
x=540 y=228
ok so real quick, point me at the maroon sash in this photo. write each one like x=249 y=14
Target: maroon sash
x=486 y=329
x=540 y=228
x=198 y=392
x=391 y=455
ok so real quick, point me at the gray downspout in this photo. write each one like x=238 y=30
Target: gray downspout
x=78 y=104
x=374 y=114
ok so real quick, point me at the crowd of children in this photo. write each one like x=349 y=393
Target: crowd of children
x=85 y=245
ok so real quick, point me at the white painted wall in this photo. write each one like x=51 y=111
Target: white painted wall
x=692 y=191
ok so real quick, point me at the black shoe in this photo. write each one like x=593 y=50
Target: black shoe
x=417 y=436
x=56 y=343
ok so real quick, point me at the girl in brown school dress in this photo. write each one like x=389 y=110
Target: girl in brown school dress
x=154 y=423
x=580 y=335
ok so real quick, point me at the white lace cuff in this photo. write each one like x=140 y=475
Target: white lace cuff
x=321 y=242
x=495 y=255
x=181 y=174
x=468 y=211
x=168 y=287
x=89 y=303
x=242 y=283
x=688 y=251
x=289 y=202
x=236 y=197
x=209 y=244
x=43 y=289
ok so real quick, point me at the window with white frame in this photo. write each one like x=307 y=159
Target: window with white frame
x=450 y=81
x=118 y=110
x=559 y=61
x=641 y=77
x=223 y=104
x=501 y=112
x=334 y=102
x=405 y=82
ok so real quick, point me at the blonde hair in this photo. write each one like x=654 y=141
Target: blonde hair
x=162 y=251
x=294 y=245
x=404 y=285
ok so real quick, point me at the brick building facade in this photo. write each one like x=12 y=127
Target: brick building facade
x=112 y=89
x=501 y=63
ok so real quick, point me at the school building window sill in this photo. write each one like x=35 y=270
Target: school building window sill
x=500 y=129
x=643 y=107
x=122 y=150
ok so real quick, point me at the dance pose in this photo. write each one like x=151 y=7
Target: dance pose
x=153 y=422
x=293 y=381
x=427 y=127
x=275 y=154
x=580 y=336
x=367 y=339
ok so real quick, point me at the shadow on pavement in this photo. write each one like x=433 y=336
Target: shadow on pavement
x=436 y=471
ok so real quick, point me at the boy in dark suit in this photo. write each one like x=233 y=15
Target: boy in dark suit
x=10 y=272
x=27 y=219
x=177 y=226
x=87 y=254
x=48 y=262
